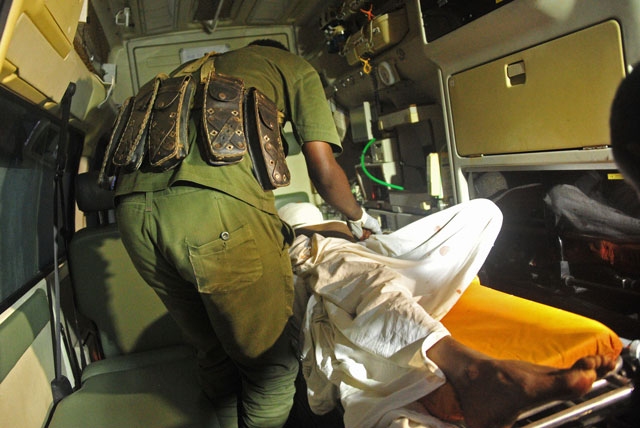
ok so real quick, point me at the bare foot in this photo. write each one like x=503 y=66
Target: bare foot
x=443 y=403
x=495 y=392
x=492 y=393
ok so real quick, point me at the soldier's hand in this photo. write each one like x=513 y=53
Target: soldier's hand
x=363 y=227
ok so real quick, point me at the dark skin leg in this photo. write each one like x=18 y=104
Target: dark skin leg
x=492 y=393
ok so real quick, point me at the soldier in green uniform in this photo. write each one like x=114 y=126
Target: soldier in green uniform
x=209 y=241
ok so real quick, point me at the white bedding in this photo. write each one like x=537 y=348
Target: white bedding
x=369 y=311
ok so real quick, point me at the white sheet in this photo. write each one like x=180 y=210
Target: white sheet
x=369 y=312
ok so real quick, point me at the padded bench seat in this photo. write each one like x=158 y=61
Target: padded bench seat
x=155 y=389
x=147 y=378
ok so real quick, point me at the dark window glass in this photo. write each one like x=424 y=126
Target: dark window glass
x=5 y=6
x=28 y=147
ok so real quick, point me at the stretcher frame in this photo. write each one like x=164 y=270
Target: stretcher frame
x=614 y=389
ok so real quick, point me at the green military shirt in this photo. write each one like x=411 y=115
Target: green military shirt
x=285 y=78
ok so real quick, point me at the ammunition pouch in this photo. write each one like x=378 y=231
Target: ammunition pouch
x=131 y=149
x=222 y=119
x=168 y=130
x=265 y=143
x=108 y=171
x=154 y=124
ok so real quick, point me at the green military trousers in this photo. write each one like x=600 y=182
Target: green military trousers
x=222 y=269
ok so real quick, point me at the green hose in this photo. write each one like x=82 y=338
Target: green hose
x=364 y=168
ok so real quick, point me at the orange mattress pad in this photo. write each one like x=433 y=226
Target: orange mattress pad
x=509 y=327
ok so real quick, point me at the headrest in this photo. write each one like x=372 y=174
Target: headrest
x=299 y=214
x=90 y=196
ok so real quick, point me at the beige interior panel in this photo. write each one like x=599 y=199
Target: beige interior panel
x=45 y=22
x=66 y=13
x=9 y=78
x=25 y=393
x=556 y=95
x=299 y=177
x=7 y=70
x=164 y=56
x=19 y=86
x=48 y=26
x=297 y=165
x=27 y=44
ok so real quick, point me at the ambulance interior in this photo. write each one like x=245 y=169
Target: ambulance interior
x=437 y=102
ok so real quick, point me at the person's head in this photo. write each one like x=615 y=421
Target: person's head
x=307 y=219
x=301 y=214
x=625 y=128
x=270 y=43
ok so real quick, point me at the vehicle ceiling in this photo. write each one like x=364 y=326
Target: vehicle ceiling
x=152 y=17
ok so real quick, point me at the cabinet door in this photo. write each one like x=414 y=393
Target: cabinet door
x=556 y=95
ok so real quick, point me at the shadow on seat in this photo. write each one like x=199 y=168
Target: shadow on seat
x=148 y=376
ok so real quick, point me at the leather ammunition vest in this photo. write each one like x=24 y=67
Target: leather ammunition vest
x=151 y=127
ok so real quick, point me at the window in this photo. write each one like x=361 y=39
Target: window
x=28 y=148
x=5 y=7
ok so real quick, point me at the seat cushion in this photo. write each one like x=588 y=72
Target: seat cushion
x=153 y=389
x=137 y=361
x=128 y=314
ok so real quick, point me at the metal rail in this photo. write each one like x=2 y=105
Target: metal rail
x=613 y=379
x=599 y=384
x=583 y=409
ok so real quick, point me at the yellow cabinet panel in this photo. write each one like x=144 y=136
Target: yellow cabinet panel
x=66 y=13
x=556 y=95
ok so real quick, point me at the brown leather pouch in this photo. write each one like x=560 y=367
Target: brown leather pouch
x=266 y=150
x=222 y=119
x=168 y=130
x=131 y=149
x=108 y=171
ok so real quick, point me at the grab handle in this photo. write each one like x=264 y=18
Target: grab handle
x=516 y=74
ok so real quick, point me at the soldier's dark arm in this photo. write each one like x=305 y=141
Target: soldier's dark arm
x=329 y=178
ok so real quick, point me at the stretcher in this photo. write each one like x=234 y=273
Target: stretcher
x=504 y=326
x=135 y=386
x=508 y=327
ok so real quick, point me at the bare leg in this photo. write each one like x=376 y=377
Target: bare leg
x=492 y=393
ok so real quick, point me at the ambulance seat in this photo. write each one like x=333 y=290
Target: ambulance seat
x=148 y=375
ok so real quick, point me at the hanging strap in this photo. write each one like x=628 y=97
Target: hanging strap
x=65 y=232
x=60 y=385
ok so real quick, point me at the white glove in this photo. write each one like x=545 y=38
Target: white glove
x=365 y=222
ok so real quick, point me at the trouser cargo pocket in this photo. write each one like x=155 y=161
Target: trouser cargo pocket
x=227 y=263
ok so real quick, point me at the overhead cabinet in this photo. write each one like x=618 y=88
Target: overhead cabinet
x=553 y=96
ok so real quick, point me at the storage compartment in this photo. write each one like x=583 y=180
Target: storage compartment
x=553 y=96
x=569 y=239
x=440 y=17
x=376 y=36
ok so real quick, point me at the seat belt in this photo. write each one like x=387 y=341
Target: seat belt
x=60 y=385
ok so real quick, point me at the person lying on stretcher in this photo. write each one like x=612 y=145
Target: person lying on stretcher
x=369 y=314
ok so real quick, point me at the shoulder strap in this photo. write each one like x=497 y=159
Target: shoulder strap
x=207 y=68
x=193 y=66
